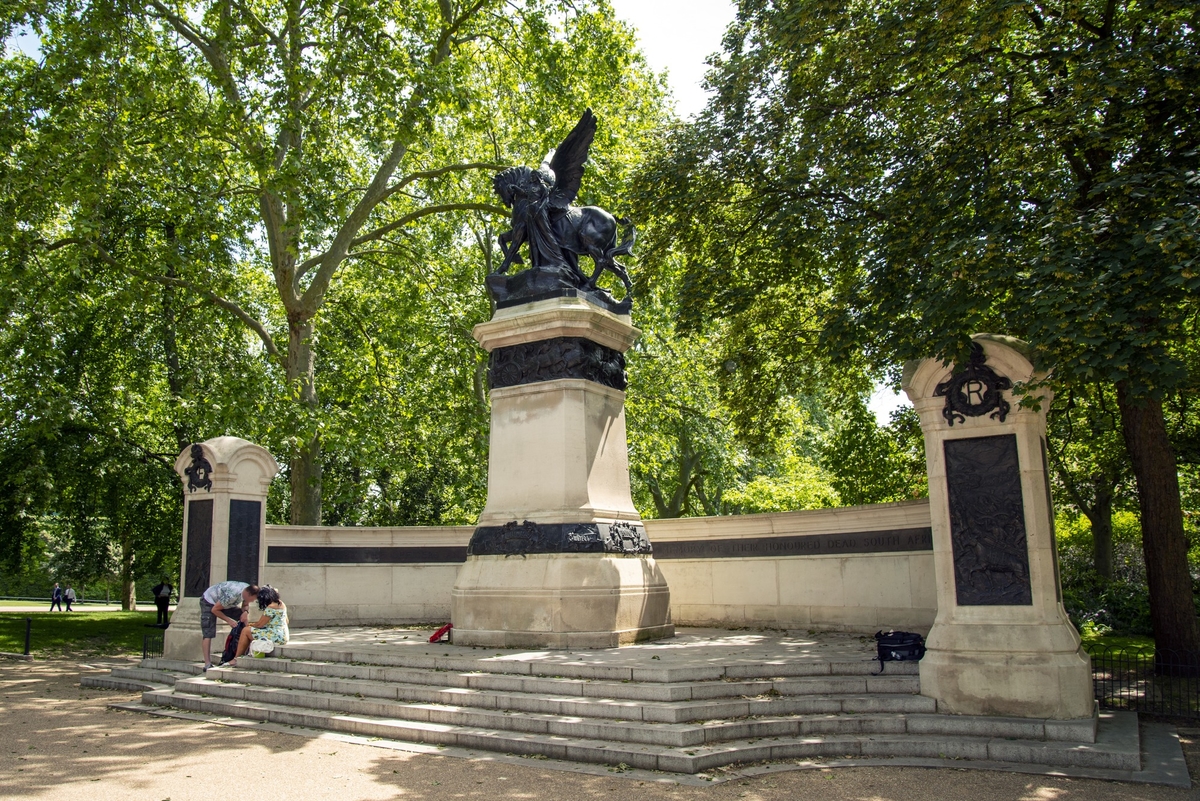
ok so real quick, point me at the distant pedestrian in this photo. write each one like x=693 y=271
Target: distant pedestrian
x=162 y=599
x=69 y=597
x=56 y=597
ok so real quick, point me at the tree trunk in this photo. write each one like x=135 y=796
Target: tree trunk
x=1100 y=516
x=128 y=599
x=306 y=465
x=1172 y=609
x=171 y=346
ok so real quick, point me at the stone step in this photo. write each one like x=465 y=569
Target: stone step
x=622 y=725
x=1117 y=745
x=134 y=679
x=158 y=676
x=584 y=688
x=918 y=709
x=173 y=665
x=580 y=669
x=114 y=683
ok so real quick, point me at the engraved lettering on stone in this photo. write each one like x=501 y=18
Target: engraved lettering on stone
x=521 y=539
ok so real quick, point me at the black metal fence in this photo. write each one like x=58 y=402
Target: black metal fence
x=1160 y=682
x=152 y=646
x=18 y=631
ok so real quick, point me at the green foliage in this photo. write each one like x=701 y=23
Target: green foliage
x=888 y=178
x=873 y=464
x=305 y=192
x=28 y=575
x=1120 y=604
x=1089 y=464
x=687 y=455
x=319 y=176
x=877 y=181
x=1098 y=640
x=1065 y=167
x=794 y=483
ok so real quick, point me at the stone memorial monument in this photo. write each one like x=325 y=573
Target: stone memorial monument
x=1001 y=643
x=225 y=483
x=559 y=558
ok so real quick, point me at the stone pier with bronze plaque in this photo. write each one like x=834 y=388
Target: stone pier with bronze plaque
x=560 y=558
x=1001 y=643
x=225 y=483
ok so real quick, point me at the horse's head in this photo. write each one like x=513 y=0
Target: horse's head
x=512 y=181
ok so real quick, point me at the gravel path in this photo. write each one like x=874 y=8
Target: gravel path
x=58 y=740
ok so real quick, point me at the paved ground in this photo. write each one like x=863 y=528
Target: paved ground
x=58 y=740
x=690 y=647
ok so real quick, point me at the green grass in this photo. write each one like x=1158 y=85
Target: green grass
x=59 y=634
x=91 y=604
x=1114 y=644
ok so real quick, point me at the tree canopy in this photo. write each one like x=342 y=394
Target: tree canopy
x=881 y=179
x=260 y=156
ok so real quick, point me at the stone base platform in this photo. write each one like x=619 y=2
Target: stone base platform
x=560 y=601
x=701 y=700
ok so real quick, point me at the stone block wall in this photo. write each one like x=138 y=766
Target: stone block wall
x=854 y=569
x=857 y=568
x=331 y=576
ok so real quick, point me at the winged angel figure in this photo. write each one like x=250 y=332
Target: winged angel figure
x=556 y=232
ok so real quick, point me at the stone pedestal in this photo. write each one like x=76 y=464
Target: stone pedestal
x=560 y=558
x=225 y=483
x=1001 y=643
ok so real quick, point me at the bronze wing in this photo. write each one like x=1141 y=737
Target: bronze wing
x=567 y=161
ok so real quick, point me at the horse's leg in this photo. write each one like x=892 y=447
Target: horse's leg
x=588 y=241
x=504 y=239
x=571 y=257
x=518 y=237
x=600 y=262
x=510 y=246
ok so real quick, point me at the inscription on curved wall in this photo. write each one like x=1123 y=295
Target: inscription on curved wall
x=889 y=541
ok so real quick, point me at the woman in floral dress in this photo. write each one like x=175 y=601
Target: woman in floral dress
x=273 y=625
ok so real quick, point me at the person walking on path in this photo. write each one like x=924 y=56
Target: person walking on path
x=56 y=597
x=69 y=597
x=213 y=603
x=162 y=599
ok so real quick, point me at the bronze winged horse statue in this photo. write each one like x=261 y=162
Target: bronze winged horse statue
x=555 y=232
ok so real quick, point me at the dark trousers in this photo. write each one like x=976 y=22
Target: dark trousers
x=163 y=617
x=68 y=604
x=55 y=602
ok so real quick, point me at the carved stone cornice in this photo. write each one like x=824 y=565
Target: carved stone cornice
x=553 y=318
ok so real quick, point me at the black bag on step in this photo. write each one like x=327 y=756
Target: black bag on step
x=231 y=643
x=898 y=646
